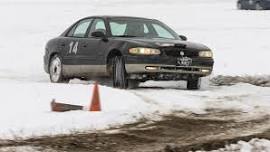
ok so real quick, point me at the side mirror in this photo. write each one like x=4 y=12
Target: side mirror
x=99 y=34
x=184 y=38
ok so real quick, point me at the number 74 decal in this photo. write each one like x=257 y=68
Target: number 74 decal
x=73 y=47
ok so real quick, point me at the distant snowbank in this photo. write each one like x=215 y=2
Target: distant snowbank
x=254 y=145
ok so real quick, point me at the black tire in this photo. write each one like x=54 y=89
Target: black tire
x=56 y=70
x=119 y=73
x=133 y=84
x=194 y=84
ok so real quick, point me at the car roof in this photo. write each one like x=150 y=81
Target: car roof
x=105 y=17
x=123 y=17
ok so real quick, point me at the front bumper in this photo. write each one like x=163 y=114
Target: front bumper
x=166 y=68
x=161 y=68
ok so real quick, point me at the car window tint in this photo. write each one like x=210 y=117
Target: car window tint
x=146 y=30
x=81 y=28
x=70 y=33
x=118 y=29
x=129 y=28
x=161 y=32
x=98 y=25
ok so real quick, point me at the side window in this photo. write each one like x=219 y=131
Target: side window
x=80 y=29
x=98 y=25
x=146 y=30
x=118 y=29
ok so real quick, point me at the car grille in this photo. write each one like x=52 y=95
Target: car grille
x=175 y=52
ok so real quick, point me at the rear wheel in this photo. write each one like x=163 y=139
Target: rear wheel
x=55 y=70
x=194 y=84
x=239 y=6
x=119 y=73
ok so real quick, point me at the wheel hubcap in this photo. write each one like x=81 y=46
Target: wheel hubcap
x=258 y=7
x=239 y=6
x=55 y=69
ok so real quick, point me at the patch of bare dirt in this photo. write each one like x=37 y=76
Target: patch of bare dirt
x=172 y=134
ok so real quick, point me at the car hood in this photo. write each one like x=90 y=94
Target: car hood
x=159 y=43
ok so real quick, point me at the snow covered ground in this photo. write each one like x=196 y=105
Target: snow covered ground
x=254 y=145
x=26 y=112
x=239 y=39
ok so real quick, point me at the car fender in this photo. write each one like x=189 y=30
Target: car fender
x=51 y=49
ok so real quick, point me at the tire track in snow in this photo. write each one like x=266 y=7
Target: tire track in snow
x=145 y=98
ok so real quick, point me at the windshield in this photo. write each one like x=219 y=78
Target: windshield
x=140 y=28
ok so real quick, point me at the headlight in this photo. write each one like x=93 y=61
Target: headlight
x=207 y=54
x=144 y=51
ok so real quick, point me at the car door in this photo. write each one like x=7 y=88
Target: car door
x=71 y=43
x=92 y=50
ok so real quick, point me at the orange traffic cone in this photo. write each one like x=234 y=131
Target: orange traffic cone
x=95 y=103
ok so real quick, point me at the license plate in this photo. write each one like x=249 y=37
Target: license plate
x=184 y=61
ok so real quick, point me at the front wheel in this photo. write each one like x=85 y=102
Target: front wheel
x=258 y=6
x=55 y=70
x=194 y=84
x=119 y=73
x=133 y=84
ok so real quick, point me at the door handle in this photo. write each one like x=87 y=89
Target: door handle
x=63 y=44
x=85 y=45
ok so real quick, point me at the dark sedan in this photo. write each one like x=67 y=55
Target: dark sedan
x=129 y=50
x=253 y=4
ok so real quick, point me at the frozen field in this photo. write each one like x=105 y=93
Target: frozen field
x=239 y=40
